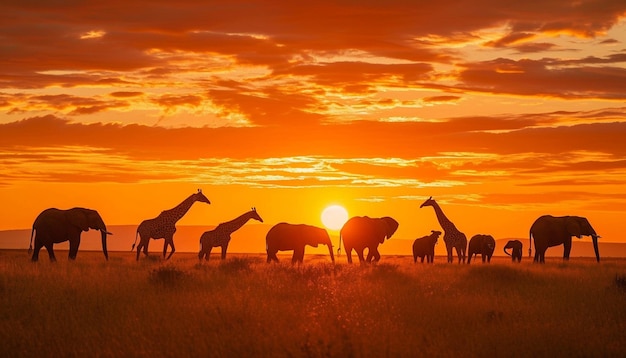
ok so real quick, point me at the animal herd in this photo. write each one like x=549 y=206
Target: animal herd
x=358 y=233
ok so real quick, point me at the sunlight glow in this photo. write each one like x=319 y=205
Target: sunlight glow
x=92 y=34
x=334 y=216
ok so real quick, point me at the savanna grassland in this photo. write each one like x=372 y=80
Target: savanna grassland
x=245 y=307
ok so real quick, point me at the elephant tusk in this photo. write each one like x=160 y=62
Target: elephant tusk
x=108 y=233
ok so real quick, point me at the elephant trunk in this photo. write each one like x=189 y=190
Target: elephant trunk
x=330 y=250
x=594 y=238
x=506 y=251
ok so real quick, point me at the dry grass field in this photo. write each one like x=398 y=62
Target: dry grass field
x=244 y=307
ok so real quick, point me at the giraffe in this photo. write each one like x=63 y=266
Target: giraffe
x=452 y=237
x=220 y=236
x=164 y=225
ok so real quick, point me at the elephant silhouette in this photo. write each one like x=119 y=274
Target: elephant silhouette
x=284 y=236
x=483 y=245
x=362 y=232
x=425 y=247
x=516 y=250
x=548 y=231
x=53 y=226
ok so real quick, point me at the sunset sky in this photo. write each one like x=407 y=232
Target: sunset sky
x=502 y=111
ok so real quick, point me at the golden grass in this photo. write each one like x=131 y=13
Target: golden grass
x=245 y=307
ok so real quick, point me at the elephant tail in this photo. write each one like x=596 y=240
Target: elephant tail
x=136 y=235
x=30 y=247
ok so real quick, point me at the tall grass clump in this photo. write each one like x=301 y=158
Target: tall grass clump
x=167 y=276
x=236 y=265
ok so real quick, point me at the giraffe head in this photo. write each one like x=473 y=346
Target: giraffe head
x=428 y=202
x=255 y=216
x=200 y=197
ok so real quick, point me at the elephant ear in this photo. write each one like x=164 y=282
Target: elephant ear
x=78 y=217
x=390 y=226
x=573 y=226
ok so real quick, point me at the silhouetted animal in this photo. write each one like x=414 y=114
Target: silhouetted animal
x=483 y=245
x=164 y=225
x=453 y=238
x=220 y=236
x=284 y=236
x=425 y=247
x=361 y=232
x=516 y=253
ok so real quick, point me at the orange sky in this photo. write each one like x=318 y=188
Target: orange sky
x=501 y=111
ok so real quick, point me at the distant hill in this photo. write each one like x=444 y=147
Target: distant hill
x=251 y=239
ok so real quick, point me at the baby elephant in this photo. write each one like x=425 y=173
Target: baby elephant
x=483 y=245
x=516 y=253
x=425 y=246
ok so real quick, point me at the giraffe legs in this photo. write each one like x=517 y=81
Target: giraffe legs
x=168 y=241
x=143 y=245
x=449 y=249
x=224 y=248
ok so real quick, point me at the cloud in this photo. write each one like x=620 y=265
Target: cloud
x=465 y=150
x=545 y=77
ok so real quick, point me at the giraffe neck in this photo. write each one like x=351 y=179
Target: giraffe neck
x=235 y=224
x=445 y=223
x=176 y=213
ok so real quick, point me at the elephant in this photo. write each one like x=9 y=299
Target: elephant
x=483 y=245
x=284 y=236
x=360 y=232
x=425 y=247
x=516 y=253
x=550 y=231
x=54 y=225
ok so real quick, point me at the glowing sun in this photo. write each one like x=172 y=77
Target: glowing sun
x=334 y=216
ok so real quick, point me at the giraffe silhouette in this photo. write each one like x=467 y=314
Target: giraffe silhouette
x=220 y=236
x=164 y=225
x=452 y=237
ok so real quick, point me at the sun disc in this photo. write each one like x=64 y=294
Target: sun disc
x=334 y=216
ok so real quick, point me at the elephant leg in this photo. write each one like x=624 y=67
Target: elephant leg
x=50 y=252
x=349 y=255
x=74 y=243
x=271 y=256
x=298 y=255
x=360 y=254
x=567 y=247
x=373 y=253
x=540 y=255
x=38 y=246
